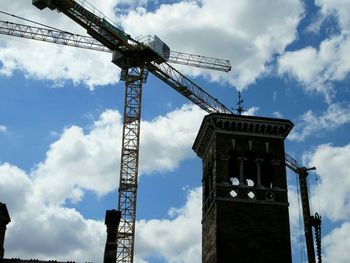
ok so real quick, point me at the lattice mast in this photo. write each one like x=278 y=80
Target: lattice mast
x=309 y=220
x=136 y=59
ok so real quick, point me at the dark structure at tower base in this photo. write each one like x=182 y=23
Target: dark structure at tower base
x=245 y=204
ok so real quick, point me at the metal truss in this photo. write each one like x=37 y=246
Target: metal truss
x=134 y=79
x=51 y=36
x=187 y=88
x=86 y=42
x=200 y=61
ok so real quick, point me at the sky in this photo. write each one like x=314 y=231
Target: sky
x=61 y=121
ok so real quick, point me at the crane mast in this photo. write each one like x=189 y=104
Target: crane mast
x=309 y=220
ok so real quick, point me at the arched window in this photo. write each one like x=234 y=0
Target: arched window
x=233 y=166
x=267 y=171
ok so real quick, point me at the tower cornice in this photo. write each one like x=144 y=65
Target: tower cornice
x=240 y=125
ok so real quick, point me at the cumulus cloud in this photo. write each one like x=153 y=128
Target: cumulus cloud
x=63 y=233
x=333 y=164
x=56 y=232
x=166 y=140
x=88 y=159
x=244 y=31
x=64 y=64
x=80 y=161
x=177 y=239
x=336 y=244
x=277 y=114
x=318 y=68
x=187 y=26
x=42 y=230
x=251 y=111
x=339 y=8
x=53 y=62
x=335 y=116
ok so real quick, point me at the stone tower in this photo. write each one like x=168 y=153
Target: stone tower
x=245 y=206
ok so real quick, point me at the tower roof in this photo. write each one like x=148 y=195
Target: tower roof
x=241 y=125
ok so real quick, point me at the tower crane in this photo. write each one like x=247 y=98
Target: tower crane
x=136 y=58
x=309 y=220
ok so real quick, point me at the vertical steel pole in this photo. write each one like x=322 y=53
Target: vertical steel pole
x=129 y=164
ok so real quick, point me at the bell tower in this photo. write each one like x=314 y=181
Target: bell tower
x=245 y=206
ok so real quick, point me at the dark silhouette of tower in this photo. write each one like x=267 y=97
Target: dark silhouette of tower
x=4 y=220
x=245 y=206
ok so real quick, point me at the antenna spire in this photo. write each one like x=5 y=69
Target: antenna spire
x=240 y=104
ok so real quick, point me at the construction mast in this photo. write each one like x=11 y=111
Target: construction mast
x=309 y=220
x=136 y=59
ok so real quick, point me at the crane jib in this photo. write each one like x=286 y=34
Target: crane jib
x=115 y=31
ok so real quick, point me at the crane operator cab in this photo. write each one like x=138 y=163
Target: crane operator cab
x=150 y=49
x=160 y=48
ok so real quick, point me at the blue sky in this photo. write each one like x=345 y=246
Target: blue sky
x=61 y=119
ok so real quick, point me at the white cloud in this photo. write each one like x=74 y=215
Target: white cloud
x=53 y=62
x=309 y=123
x=330 y=199
x=319 y=68
x=277 y=114
x=48 y=62
x=63 y=233
x=333 y=165
x=251 y=111
x=339 y=8
x=48 y=231
x=81 y=160
x=177 y=239
x=167 y=140
x=336 y=245
x=244 y=31
x=3 y=129
x=41 y=230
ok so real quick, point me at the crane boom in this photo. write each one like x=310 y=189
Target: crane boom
x=199 y=61
x=187 y=88
x=164 y=71
x=50 y=35
x=62 y=37
x=309 y=220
